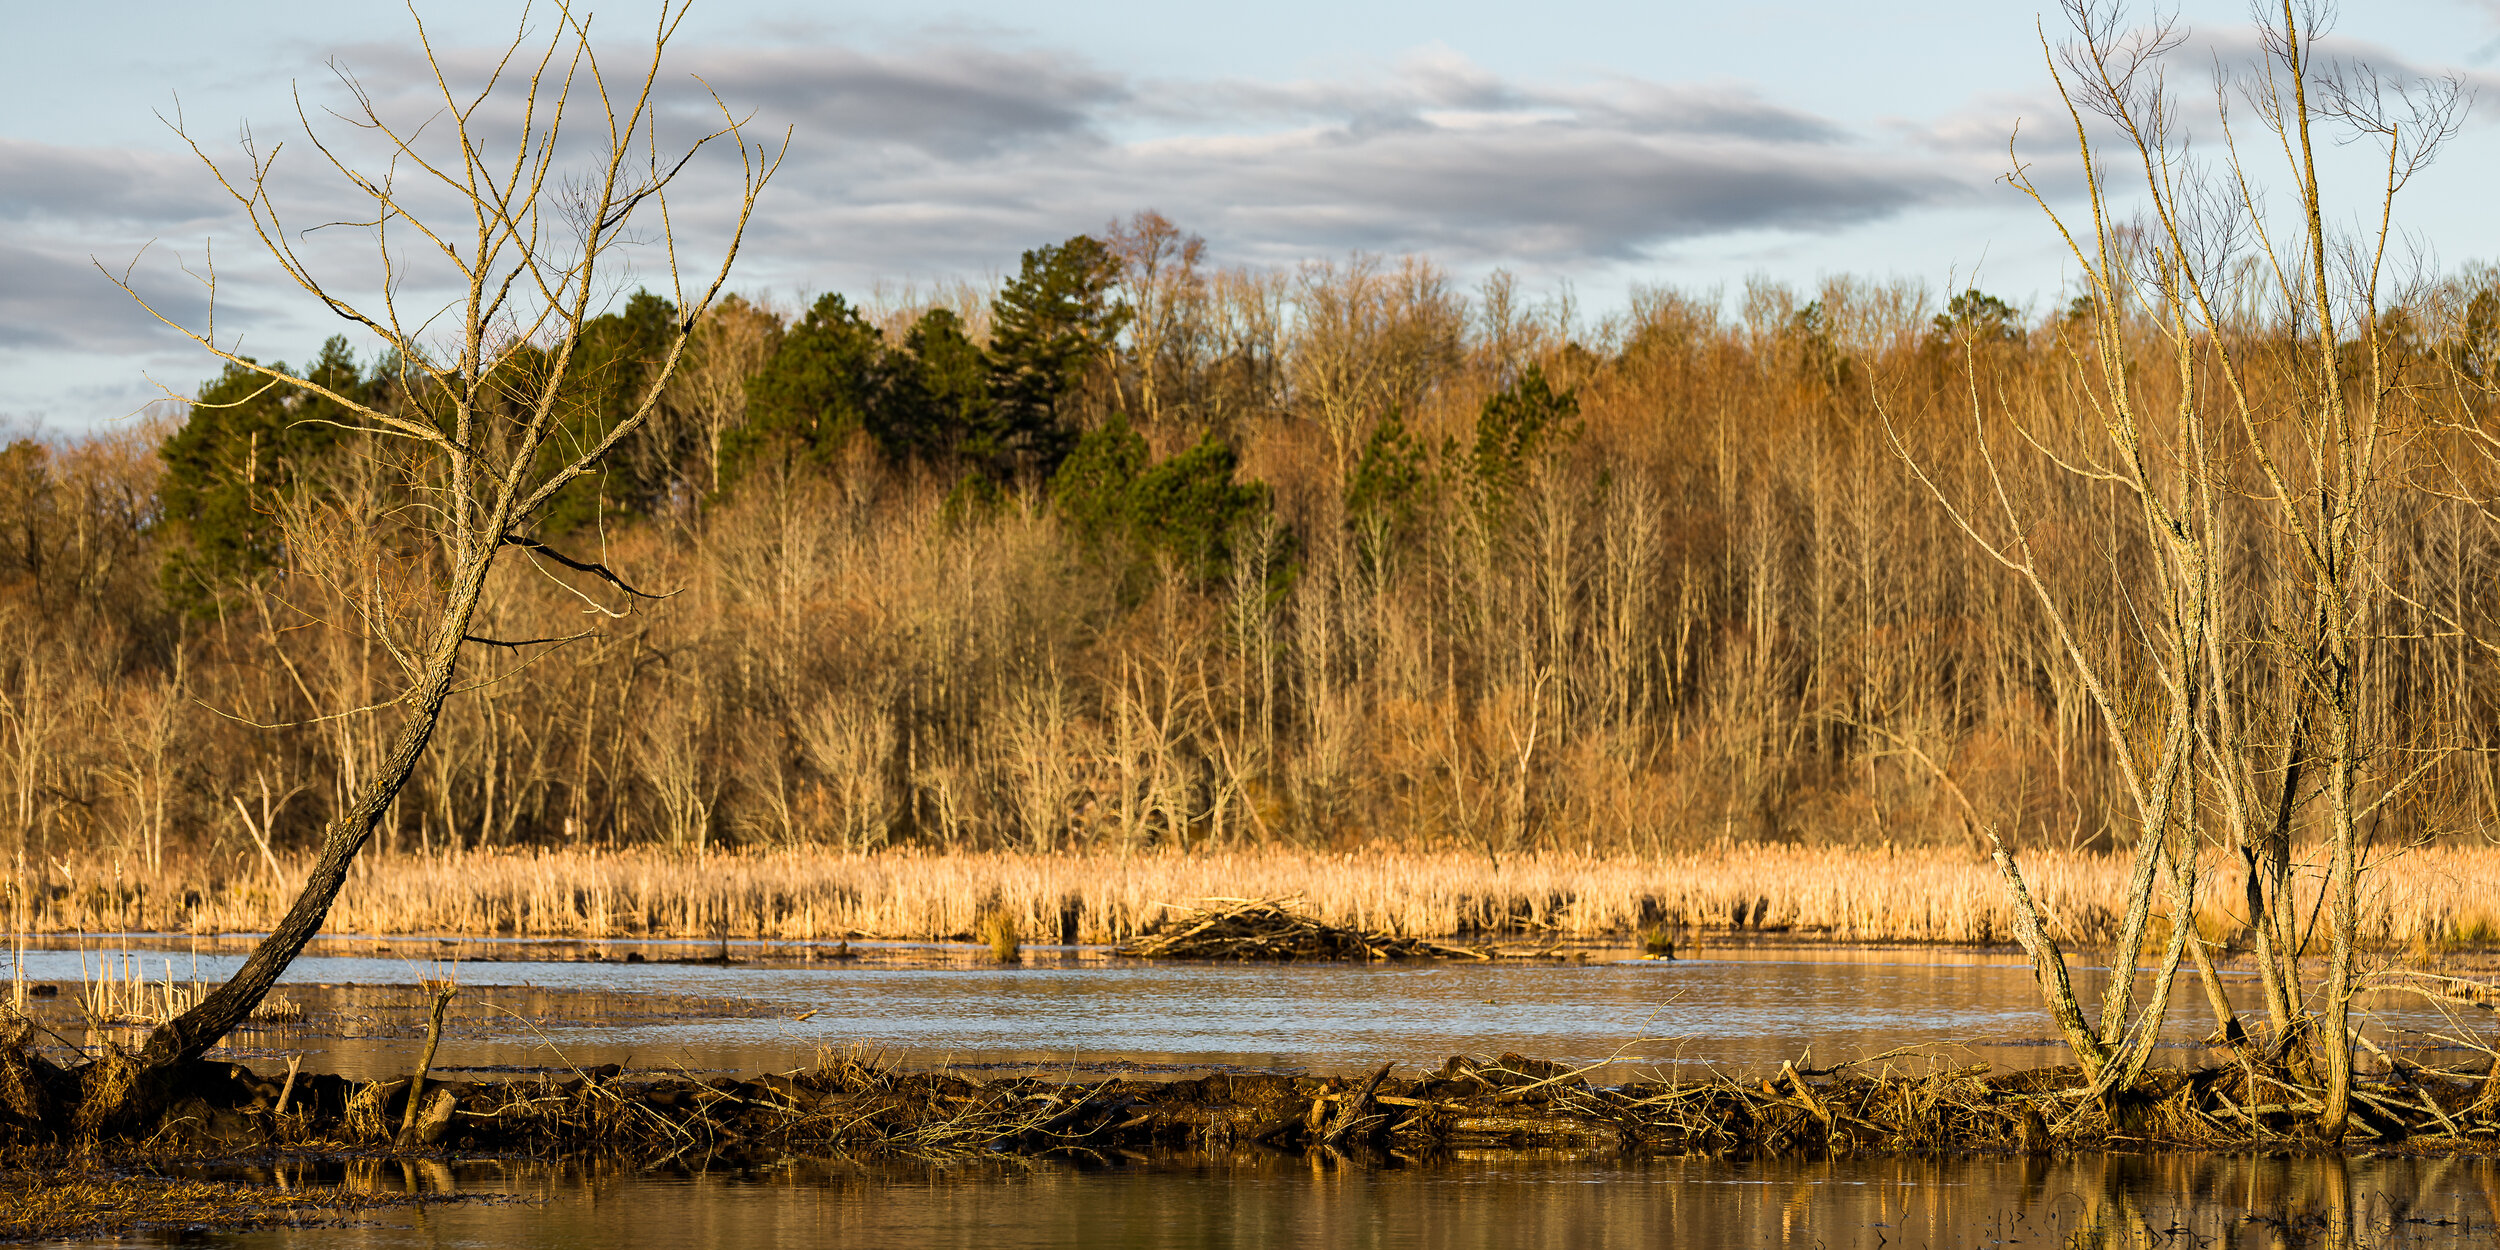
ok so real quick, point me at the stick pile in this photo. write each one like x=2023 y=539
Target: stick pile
x=1278 y=930
x=847 y=1104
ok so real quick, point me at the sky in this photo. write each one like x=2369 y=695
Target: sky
x=1588 y=147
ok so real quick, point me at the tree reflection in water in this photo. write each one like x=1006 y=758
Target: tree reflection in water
x=1111 y=1200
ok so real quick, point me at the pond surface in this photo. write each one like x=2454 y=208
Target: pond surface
x=536 y=1008
x=1082 y=1009
x=2200 y=1202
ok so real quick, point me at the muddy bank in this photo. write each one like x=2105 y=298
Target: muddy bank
x=852 y=1105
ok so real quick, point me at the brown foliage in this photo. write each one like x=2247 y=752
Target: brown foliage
x=1719 y=610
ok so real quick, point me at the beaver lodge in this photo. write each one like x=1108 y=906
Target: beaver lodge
x=1281 y=931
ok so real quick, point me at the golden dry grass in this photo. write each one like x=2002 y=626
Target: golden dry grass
x=53 y=1205
x=2436 y=897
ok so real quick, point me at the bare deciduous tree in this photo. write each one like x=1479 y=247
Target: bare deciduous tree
x=1160 y=282
x=2203 y=296
x=523 y=195
x=1370 y=342
x=730 y=345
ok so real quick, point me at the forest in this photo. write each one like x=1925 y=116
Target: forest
x=1137 y=551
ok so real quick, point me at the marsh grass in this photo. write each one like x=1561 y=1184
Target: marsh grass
x=125 y=995
x=998 y=930
x=2435 y=898
x=278 y=1009
x=53 y=1205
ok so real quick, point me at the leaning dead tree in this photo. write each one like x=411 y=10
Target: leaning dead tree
x=525 y=198
x=2238 y=367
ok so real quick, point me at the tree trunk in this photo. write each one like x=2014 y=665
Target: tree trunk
x=190 y=1035
x=2330 y=1033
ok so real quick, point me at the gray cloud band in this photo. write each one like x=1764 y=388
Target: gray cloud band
x=948 y=159
x=1439 y=157
x=55 y=302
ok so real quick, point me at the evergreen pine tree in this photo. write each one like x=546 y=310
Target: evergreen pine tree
x=1049 y=326
x=822 y=386
x=612 y=367
x=245 y=445
x=937 y=393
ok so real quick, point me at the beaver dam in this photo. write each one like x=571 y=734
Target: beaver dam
x=1647 y=1042
x=854 y=1105
x=912 y=1061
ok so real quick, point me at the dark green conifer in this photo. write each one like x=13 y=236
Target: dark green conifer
x=822 y=386
x=1516 y=425
x=611 y=370
x=1049 y=326
x=938 y=391
x=245 y=446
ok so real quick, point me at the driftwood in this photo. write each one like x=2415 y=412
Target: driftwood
x=1277 y=930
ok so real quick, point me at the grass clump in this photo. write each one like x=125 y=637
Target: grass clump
x=998 y=929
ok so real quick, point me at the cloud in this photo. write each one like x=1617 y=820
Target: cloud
x=1437 y=154
x=949 y=157
x=938 y=156
x=1551 y=191
x=955 y=102
x=51 y=301
x=1436 y=81
x=41 y=181
x=942 y=157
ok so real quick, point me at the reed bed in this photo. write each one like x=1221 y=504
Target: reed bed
x=2433 y=898
x=121 y=993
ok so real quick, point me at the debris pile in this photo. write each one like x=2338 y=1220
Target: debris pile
x=849 y=1104
x=1276 y=930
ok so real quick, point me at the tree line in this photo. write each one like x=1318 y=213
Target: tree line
x=1137 y=550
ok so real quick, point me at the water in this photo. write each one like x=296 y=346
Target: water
x=542 y=1008
x=1738 y=1008
x=2178 y=1201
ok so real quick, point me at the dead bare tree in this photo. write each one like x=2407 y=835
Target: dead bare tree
x=2223 y=352
x=730 y=346
x=503 y=198
x=1369 y=341
x=1160 y=281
